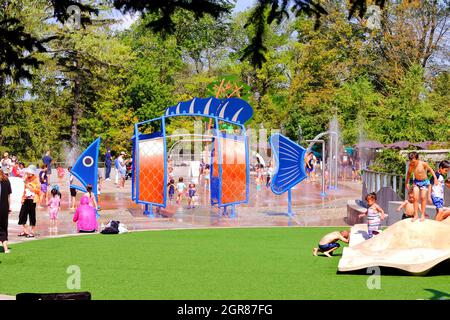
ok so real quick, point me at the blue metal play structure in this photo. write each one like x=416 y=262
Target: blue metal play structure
x=85 y=168
x=290 y=166
x=230 y=170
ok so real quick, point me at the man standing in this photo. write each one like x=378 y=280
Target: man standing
x=108 y=163
x=6 y=164
x=48 y=161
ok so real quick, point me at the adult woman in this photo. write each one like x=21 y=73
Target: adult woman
x=30 y=198
x=5 y=192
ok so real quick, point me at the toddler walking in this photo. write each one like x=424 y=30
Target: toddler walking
x=191 y=194
x=374 y=215
x=171 y=187
x=180 y=187
x=54 y=205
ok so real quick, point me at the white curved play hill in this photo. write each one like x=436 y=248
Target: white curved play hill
x=415 y=247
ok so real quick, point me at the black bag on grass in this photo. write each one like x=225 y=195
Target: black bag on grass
x=111 y=228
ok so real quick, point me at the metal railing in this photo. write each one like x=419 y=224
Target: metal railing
x=375 y=181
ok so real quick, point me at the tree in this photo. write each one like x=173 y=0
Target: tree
x=412 y=32
x=323 y=60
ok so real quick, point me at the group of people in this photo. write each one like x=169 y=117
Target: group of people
x=120 y=166
x=426 y=189
x=38 y=192
x=423 y=189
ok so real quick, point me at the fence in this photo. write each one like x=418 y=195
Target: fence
x=375 y=181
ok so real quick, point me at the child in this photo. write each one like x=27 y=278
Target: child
x=43 y=180
x=420 y=184
x=91 y=196
x=73 y=191
x=60 y=172
x=258 y=178
x=309 y=165
x=54 y=205
x=180 y=187
x=191 y=194
x=328 y=243
x=206 y=173
x=408 y=205
x=99 y=191
x=374 y=215
x=171 y=187
x=437 y=193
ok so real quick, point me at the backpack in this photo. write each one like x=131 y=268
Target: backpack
x=111 y=228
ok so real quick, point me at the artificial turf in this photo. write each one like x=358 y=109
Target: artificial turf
x=261 y=263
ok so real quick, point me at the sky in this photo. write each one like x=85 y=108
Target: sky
x=127 y=20
x=243 y=4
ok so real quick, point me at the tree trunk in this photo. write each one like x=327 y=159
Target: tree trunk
x=76 y=112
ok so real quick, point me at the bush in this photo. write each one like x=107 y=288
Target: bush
x=389 y=161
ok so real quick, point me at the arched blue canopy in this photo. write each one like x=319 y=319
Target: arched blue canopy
x=230 y=109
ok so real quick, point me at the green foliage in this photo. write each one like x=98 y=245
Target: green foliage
x=98 y=82
x=389 y=161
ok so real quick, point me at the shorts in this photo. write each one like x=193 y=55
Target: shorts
x=44 y=188
x=73 y=192
x=422 y=184
x=404 y=216
x=438 y=202
x=328 y=246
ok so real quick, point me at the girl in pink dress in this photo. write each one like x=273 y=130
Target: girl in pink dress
x=53 y=209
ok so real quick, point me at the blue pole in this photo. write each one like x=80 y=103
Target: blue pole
x=152 y=215
x=233 y=211
x=290 y=203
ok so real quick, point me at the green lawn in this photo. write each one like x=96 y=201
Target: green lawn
x=263 y=263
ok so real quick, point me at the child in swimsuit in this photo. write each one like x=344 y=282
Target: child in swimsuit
x=180 y=187
x=408 y=205
x=374 y=215
x=437 y=193
x=328 y=243
x=191 y=194
x=420 y=170
x=171 y=186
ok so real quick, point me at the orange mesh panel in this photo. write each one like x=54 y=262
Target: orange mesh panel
x=215 y=172
x=151 y=171
x=234 y=173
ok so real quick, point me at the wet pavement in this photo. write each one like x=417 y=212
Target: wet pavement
x=264 y=209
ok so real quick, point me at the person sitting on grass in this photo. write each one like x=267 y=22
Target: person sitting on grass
x=408 y=205
x=328 y=243
x=85 y=217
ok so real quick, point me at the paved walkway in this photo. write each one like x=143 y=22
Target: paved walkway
x=263 y=210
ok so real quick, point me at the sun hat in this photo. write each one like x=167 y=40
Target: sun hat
x=123 y=153
x=29 y=170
